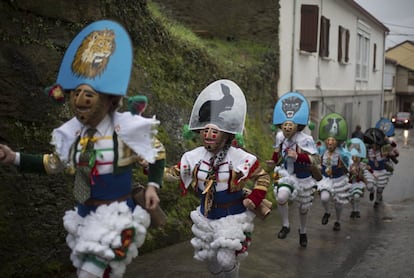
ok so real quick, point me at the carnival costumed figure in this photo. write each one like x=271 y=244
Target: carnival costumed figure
x=390 y=148
x=335 y=161
x=378 y=158
x=218 y=172
x=360 y=175
x=296 y=159
x=100 y=146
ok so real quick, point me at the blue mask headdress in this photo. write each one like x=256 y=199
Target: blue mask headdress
x=293 y=107
x=99 y=56
x=356 y=147
x=386 y=126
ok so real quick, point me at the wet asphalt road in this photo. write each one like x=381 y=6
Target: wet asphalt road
x=379 y=244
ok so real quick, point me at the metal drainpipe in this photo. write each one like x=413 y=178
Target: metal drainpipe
x=382 y=79
x=292 y=67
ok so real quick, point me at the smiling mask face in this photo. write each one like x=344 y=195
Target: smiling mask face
x=331 y=144
x=89 y=106
x=289 y=129
x=213 y=139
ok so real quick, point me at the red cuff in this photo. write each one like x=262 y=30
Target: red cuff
x=275 y=156
x=303 y=158
x=257 y=196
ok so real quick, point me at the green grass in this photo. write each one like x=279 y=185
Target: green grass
x=228 y=54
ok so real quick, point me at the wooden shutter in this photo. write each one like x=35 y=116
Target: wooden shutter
x=309 y=28
x=347 y=46
x=324 y=37
x=340 y=30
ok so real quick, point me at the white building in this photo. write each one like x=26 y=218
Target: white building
x=332 y=51
x=390 y=73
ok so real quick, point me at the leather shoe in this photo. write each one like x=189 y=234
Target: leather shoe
x=303 y=240
x=283 y=232
x=337 y=226
x=371 y=196
x=325 y=218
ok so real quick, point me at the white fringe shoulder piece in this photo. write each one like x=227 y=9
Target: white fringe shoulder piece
x=136 y=131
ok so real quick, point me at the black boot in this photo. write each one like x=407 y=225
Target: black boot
x=283 y=232
x=303 y=240
x=325 y=218
x=371 y=196
x=337 y=226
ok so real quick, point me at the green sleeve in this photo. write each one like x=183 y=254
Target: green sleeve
x=156 y=171
x=32 y=163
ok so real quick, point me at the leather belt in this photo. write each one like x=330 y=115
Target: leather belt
x=95 y=202
x=227 y=205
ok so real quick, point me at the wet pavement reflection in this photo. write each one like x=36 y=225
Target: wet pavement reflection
x=379 y=244
x=375 y=245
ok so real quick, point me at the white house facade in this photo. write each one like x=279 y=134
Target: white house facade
x=390 y=73
x=332 y=51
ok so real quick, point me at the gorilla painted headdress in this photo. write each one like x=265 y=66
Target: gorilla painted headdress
x=221 y=103
x=99 y=56
x=293 y=107
x=333 y=125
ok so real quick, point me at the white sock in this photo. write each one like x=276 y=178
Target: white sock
x=283 y=205
x=325 y=197
x=338 y=210
x=91 y=270
x=284 y=213
x=303 y=217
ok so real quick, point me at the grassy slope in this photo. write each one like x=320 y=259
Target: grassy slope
x=178 y=73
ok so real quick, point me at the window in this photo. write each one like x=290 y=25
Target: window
x=309 y=28
x=343 y=45
x=362 y=55
x=324 y=37
x=374 y=57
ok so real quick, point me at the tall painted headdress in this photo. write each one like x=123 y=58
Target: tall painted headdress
x=221 y=103
x=386 y=126
x=99 y=56
x=374 y=136
x=293 y=107
x=356 y=147
x=333 y=125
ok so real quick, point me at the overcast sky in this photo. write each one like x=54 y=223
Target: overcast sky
x=397 y=15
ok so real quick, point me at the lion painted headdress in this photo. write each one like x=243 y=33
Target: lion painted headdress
x=99 y=56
